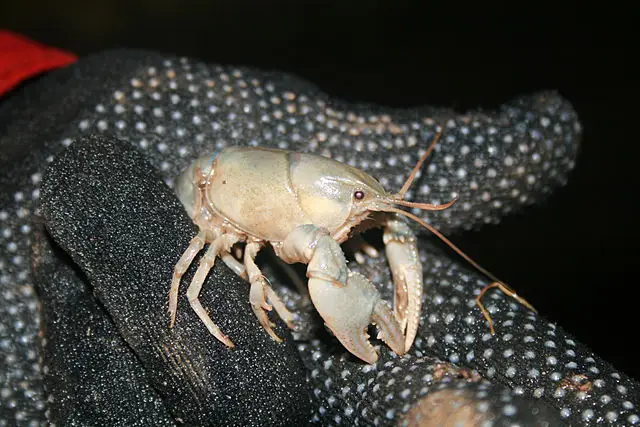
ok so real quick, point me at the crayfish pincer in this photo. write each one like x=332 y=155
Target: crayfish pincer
x=305 y=206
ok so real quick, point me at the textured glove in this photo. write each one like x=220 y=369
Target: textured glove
x=134 y=120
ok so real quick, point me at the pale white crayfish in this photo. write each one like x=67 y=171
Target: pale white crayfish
x=305 y=206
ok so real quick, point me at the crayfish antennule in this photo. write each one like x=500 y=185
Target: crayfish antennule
x=425 y=206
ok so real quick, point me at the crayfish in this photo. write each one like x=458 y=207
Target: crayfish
x=305 y=206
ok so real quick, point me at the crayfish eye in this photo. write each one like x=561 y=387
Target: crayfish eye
x=358 y=195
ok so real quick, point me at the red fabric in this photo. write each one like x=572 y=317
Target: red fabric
x=21 y=59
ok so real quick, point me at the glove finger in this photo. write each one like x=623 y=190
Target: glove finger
x=495 y=162
x=103 y=203
x=90 y=374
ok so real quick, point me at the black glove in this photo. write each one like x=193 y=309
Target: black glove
x=105 y=204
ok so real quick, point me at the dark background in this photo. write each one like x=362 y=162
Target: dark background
x=573 y=258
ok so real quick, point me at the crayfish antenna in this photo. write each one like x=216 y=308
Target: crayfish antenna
x=416 y=168
x=507 y=291
x=398 y=199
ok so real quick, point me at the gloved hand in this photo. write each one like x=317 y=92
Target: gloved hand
x=135 y=119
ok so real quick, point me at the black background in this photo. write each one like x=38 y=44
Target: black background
x=574 y=258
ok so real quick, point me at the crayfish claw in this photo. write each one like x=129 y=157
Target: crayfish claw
x=347 y=301
x=349 y=310
x=358 y=344
x=406 y=268
x=389 y=330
